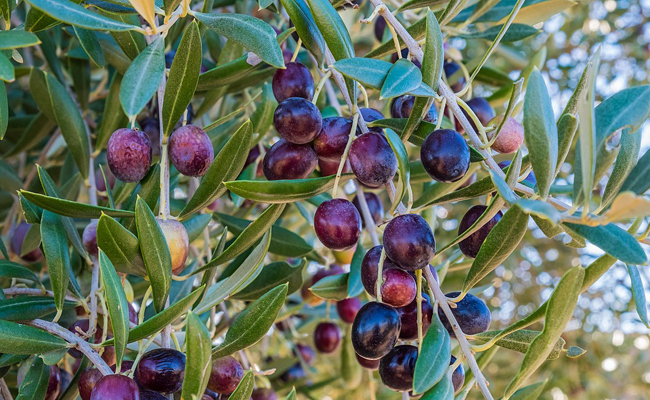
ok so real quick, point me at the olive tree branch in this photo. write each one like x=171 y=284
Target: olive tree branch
x=4 y=391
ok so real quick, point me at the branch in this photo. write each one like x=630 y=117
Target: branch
x=15 y=291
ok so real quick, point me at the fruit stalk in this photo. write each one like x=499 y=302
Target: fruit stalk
x=460 y=336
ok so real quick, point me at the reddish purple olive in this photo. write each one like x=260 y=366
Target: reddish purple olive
x=129 y=153
x=369 y=115
x=397 y=368
x=511 y=136
x=409 y=242
x=177 y=242
x=327 y=337
x=297 y=120
x=295 y=373
x=483 y=110
x=529 y=180
x=89 y=238
x=307 y=353
x=289 y=161
x=87 y=382
x=450 y=68
x=100 y=183
x=471 y=313
x=348 y=309
x=402 y=107
x=369 y=267
x=330 y=143
x=17 y=239
x=409 y=317
x=264 y=394
x=458 y=376
x=151 y=127
x=375 y=330
x=190 y=150
x=445 y=155
x=372 y=160
x=161 y=370
x=471 y=245
x=337 y=224
x=380 y=27
x=375 y=207
x=399 y=287
x=225 y=375
x=372 y=365
x=293 y=81
x=328 y=168
x=54 y=383
x=115 y=387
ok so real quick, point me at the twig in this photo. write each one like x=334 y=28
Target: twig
x=16 y=291
x=371 y=226
x=71 y=338
x=4 y=391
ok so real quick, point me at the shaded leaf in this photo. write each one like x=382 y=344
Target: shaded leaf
x=74 y=14
x=22 y=339
x=113 y=116
x=402 y=78
x=272 y=275
x=333 y=287
x=72 y=208
x=35 y=384
x=90 y=43
x=530 y=392
x=355 y=286
x=55 y=249
x=637 y=181
x=514 y=33
x=403 y=167
x=118 y=306
x=135 y=91
x=433 y=360
x=612 y=240
x=245 y=387
x=351 y=370
x=638 y=292
x=198 y=358
x=306 y=28
x=367 y=71
x=9 y=269
x=120 y=245
x=284 y=191
x=625 y=162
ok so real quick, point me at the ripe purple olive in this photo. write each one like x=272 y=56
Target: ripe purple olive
x=330 y=143
x=161 y=370
x=375 y=207
x=409 y=242
x=380 y=27
x=409 y=317
x=372 y=365
x=397 y=368
x=83 y=325
x=399 y=287
x=115 y=387
x=369 y=267
x=100 y=183
x=529 y=180
x=402 y=107
x=483 y=110
x=129 y=153
x=472 y=244
x=54 y=383
x=511 y=136
x=264 y=394
x=177 y=242
x=293 y=81
x=348 y=309
x=306 y=352
x=451 y=67
x=297 y=120
x=87 y=382
x=190 y=150
x=337 y=224
x=289 y=161
x=372 y=160
x=369 y=115
x=445 y=155
x=17 y=240
x=149 y=395
x=327 y=337
x=375 y=330
x=471 y=313
x=225 y=375
x=89 y=238
x=151 y=127
x=295 y=373
x=328 y=168
x=458 y=376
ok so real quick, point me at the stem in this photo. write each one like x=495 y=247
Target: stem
x=321 y=83
x=460 y=336
x=380 y=274
x=71 y=338
x=390 y=188
x=344 y=157
x=4 y=391
x=371 y=226
x=418 y=276
x=15 y=291
x=295 y=53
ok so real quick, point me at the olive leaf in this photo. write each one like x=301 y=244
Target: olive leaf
x=120 y=245
x=355 y=286
x=9 y=269
x=22 y=308
x=35 y=383
x=351 y=370
x=118 y=306
x=403 y=167
x=530 y=392
x=74 y=14
x=73 y=209
x=245 y=387
x=638 y=292
x=272 y=275
x=612 y=240
x=198 y=357
x=443 y=390
x=520 y=341
x=13 y=39
x=135 y=92
x=55 y=249
x=22 y=339
x=306 y=28
x=403 y=77
x=113 y=116
x=433 y=360
x=637 y=181
x=367 y=71
x=623 y=166
x=333 y=287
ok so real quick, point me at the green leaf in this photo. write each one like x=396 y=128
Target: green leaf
x=417 y=137
x=142 y=78
x=226 y=166
x=514 y=33
x=118 y=306
x=22 y=339
x=23 y=308
x=236 y=282
x=403 y=166
x=4 y=110
x=351 y=370
x=417 y=31
x=198 y=358
x=169 y=7
x=252 y=33
x=73 y=209
x=502 y=240
x=439 y=193
x=306 y=28
x=283 y=241
x=355 y=286
x=502 y=188
x=113 y=116
x=131 y=43
x=225 y=74
x=444 y=390
x=55 y=248
x=638 y=292
x=284 y=191
x=75 y=14
x=196 y=225
x=540 y=132
x=262 y=117
x=35 y=384
x=613 y=241
x=520 y=341
x=9 y=179
x=540 y=209
x=402 y=78
x=69 y=119
x=292 y=394
x=253 y=323
x=272 y=275
x=567 y=127
x=248 y=237
x=156 y=323
x=433 y=360
x=560 y=308
x=367 y=71
x=637 y=181
x=625 y=162
x=155 y=253
x=14 y=39
x=183 y=77
x=575 y=352
x=334 y=287
x=245 y=387
x=530 y=392
x=13 y=270
x=90 y=43
x=121 y=246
